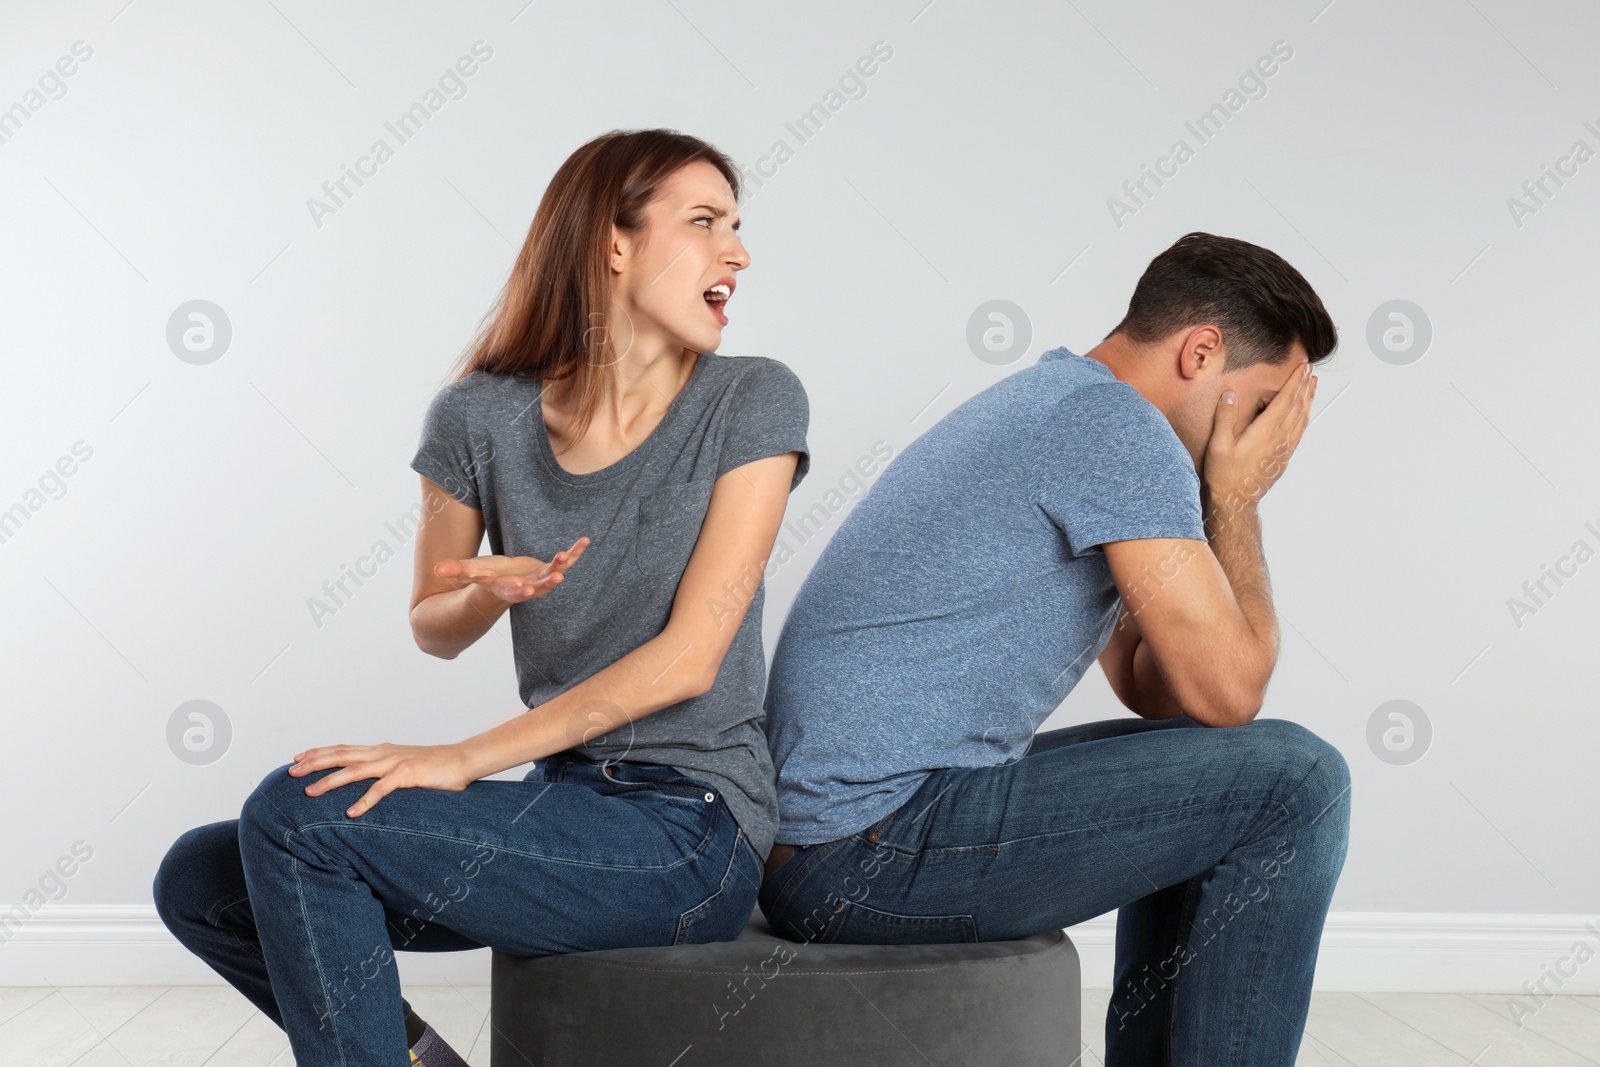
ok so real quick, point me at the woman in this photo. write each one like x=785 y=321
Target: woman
x=653 y=485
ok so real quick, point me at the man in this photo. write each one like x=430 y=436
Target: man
x=1098 y=504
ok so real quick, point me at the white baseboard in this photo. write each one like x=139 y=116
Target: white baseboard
x=86 y=944
x=1421 y=952
x=66 y=944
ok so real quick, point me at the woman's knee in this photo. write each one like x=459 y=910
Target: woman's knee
x=201 y=868
x=279 y=800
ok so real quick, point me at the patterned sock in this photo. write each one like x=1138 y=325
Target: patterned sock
x=431 y=1050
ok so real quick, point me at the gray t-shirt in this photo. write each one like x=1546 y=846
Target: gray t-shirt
x=965 y=595
x=484 y=441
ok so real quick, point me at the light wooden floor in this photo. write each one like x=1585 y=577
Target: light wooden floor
x=1420 y=1030
x=214 y=1026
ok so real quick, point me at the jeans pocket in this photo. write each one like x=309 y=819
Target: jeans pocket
x=857 y=924
x=722 y=915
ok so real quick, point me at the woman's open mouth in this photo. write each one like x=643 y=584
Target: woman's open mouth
x=716 y=297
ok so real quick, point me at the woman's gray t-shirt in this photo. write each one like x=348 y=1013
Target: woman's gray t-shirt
x=484 y=442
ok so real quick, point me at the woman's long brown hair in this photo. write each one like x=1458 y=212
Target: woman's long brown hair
x=550 y=320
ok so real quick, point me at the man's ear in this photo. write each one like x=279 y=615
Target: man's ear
x=1202 y=352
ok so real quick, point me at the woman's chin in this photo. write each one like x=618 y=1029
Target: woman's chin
x=703 y=340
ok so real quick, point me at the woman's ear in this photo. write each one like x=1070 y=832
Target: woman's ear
x=620 y=247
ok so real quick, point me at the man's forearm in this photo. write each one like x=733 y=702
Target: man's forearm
x=1233 y=529
x=1151 y=698
x=1132 y=670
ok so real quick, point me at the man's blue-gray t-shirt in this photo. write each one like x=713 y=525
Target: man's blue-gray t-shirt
x=964 y=596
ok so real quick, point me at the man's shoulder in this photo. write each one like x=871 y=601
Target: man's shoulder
x=1043 y=406
x=1057 y=375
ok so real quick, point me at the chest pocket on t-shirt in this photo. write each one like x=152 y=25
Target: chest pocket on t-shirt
x=669 y=525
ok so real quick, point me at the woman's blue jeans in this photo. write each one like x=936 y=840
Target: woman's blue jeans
x=300 y=907
x=1219 y=848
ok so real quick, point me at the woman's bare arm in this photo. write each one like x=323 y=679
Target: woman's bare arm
x=448 y=615
x=457 y=596
x=741 y=525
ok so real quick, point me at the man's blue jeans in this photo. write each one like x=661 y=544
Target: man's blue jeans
x=1220 y=848
x=300 y=906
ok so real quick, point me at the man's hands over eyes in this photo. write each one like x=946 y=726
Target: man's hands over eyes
x=1239 y=467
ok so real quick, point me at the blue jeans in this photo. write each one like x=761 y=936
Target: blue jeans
x=300 y=906
x=1220 y=848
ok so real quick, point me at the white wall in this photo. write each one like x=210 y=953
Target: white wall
x=178 y=562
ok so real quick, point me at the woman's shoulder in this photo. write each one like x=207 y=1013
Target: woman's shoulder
x=756 y=378
x=473 y=391
x=482 y=380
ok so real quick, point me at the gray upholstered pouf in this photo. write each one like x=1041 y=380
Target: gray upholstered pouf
x=765 y=1002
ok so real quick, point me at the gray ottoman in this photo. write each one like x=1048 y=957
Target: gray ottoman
x=765 y=1002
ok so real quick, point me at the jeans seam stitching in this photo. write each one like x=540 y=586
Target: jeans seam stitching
x=356 y=824
x=1283 y=805
x=827 y=848
x=214 y=915
x=305 y=918
x=966 y=922
x=1184 y=913
x=721 y=891
x=792 y=884
x=1098 y=827
x=1257 y=961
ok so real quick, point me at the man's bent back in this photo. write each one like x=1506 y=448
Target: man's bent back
x=1089 y=506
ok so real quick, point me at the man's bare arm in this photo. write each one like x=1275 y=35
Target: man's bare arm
x=1133 y=673
x=1234 y=534
x=1204 y=609
x=1192 y=631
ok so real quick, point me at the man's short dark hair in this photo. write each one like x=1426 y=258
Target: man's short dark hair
x=1259 y=302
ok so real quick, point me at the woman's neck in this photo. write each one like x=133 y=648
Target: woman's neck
x=637 y=398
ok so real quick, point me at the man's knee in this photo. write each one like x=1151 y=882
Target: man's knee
x=1313 y=769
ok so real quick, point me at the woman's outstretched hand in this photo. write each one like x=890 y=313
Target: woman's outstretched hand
x=513 y=578
x=395 y=767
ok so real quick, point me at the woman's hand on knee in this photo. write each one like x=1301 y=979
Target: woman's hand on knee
x=395 y=767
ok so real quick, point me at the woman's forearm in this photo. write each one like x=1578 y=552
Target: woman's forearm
x=683 y=660
x=665 y=670
x=446 y=623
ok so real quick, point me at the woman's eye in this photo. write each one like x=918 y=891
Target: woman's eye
x=706 y=219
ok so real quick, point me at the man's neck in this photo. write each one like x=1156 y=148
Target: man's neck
x=1148 y=371
x=1131 y=364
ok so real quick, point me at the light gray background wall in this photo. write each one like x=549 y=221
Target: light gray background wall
x=176 y=163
